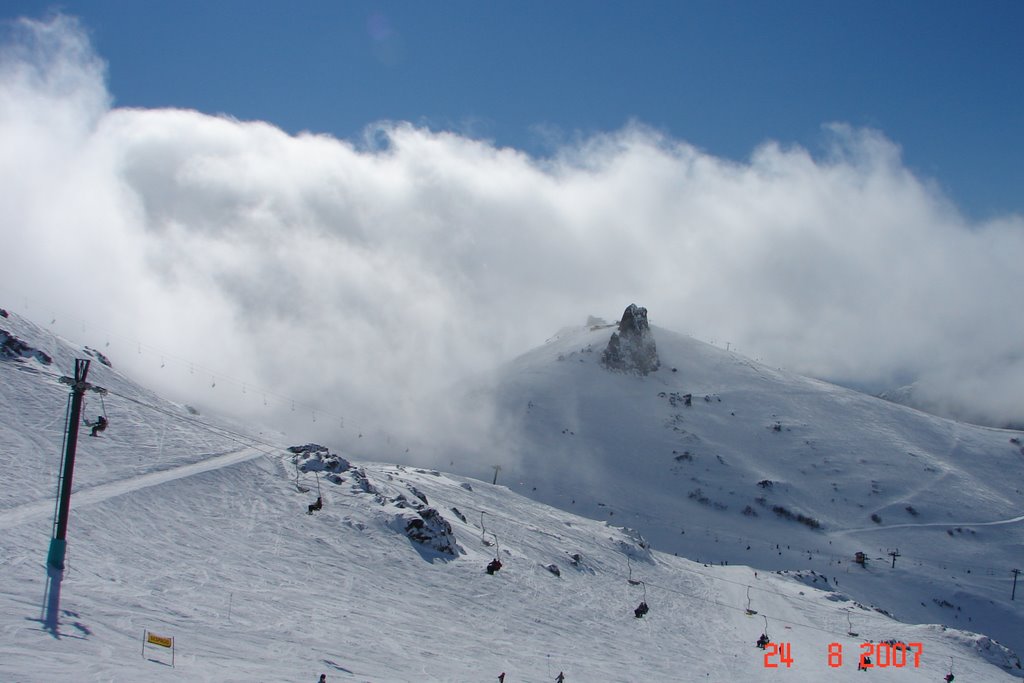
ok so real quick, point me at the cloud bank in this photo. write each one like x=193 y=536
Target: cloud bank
x=369 y=277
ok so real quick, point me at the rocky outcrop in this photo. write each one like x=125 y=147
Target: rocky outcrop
x=14 y=348
x=98 y=356
x=411 y=515
x=426 y=526
x=316 y=458
x=631 y=348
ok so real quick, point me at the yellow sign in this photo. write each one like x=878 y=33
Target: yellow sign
x=159 y=640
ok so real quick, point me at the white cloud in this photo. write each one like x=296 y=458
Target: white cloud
x=367 y=279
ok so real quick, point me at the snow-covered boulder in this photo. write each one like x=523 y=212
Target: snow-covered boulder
x=14 y=348
x=316 y=458
x=429 y=528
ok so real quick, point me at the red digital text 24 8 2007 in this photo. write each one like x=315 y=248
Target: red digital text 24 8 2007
x=872 y=655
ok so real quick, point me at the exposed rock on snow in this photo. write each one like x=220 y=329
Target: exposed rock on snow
x=427 y=527
x=411 y=516
x=316 y=458
x=308 y=448
x=12 y=347
x=364 y=484
x=634 y=545
x=992 y=651
x=632 y=348
x=98 y=356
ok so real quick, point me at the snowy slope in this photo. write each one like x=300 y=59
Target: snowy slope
x=191 y=529
x=727 y=478
x=147 y=432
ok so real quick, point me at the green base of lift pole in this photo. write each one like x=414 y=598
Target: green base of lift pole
x=58 y=550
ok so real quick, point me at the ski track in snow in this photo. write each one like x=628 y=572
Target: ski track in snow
x=924 y=525
x=95 y=494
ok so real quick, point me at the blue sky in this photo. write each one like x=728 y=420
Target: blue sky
x=941 y=79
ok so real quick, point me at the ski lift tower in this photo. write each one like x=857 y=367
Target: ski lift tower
x=58 y=543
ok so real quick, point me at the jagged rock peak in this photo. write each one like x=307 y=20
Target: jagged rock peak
x=634 y=320
x=632 y=348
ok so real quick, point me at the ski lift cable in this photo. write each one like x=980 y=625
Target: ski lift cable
x=298 y=474
x=766 y=616
x=700 y=573
x=792 y=598
x=215 y=375
x=760 y=588
x=835 y=556
x=264 y=392
x=728 y=606
x=778 y=619
x=251 y=442
x=244 y=439
x=686 y=570
x=165 y=355
x=739 y=609
x=240 y=437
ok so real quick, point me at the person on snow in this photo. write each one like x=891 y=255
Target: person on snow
x=641 y=610
x=99 y=425
x=323 y=678
x=493 y=566
x=949 y=678
x=501 y=677
x=762 y=641
x=561 y=678
x=315 y=506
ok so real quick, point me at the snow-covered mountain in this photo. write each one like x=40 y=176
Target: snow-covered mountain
x=721 y=459
x=193 y=528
